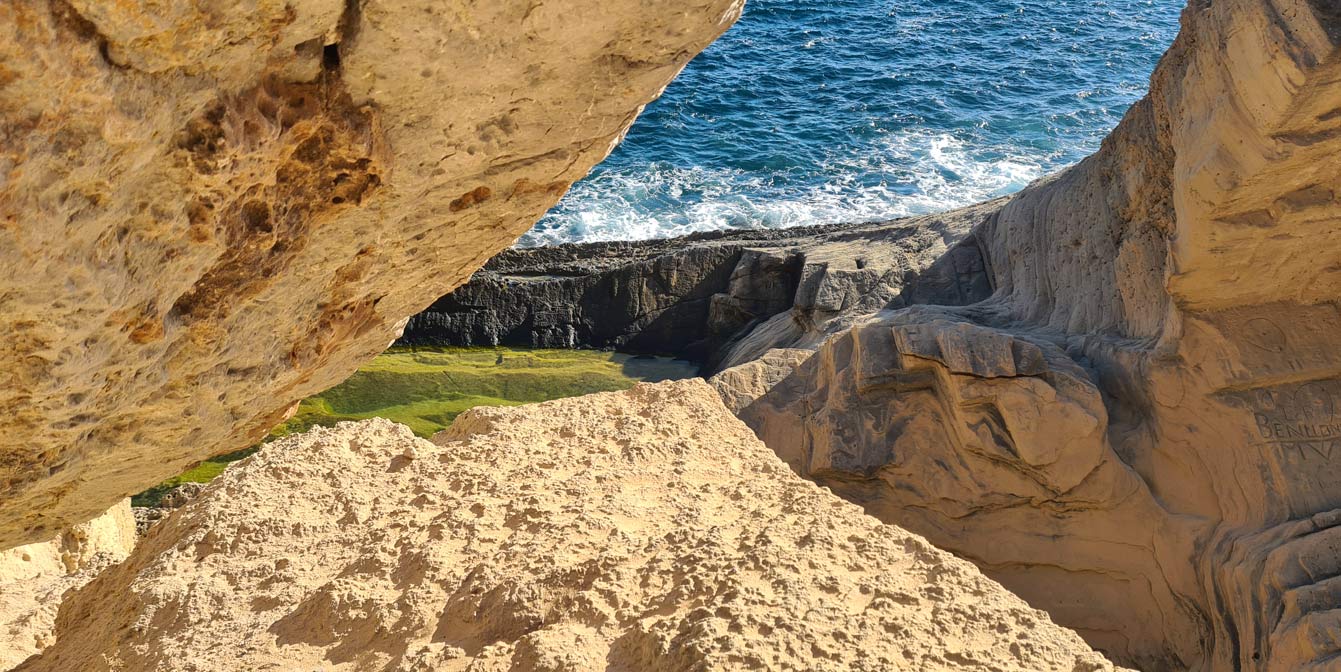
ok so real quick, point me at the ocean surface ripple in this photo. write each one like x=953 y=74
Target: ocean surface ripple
x=820 y=111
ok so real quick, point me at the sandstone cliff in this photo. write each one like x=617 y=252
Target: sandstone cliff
x=642 y=530
x=1138 y=430
x=211 y=210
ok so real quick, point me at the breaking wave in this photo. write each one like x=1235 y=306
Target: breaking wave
x=822 y=111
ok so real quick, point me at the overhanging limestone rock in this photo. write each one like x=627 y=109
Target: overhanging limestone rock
x=210 y=211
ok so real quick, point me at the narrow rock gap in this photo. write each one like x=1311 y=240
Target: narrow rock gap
x=347 y=29
x=330 y=56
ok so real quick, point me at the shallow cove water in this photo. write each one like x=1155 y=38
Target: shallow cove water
x=823 y=111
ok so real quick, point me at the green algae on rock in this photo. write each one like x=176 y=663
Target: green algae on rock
x=426 y=388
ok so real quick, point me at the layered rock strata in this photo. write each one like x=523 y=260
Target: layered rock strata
x=718 y=298
x=1138 y=430
x=209 y=211
x=640 y=530
x=1135 y=430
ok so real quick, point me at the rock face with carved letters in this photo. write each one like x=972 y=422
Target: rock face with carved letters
x=209 y=211
x=638 y=530
x=1138 y=427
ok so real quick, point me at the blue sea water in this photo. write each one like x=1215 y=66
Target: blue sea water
x=821 y=111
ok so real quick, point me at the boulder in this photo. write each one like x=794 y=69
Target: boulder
x=638 y=530
x=209 y=211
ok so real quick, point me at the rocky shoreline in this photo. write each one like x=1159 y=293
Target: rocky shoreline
x=1113 y=394
x=700 y=297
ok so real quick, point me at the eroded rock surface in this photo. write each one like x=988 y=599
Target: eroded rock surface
x=147 y=516
x=720 y=298
x=34 y=578
x=741 y=386
x=640 y=530
x=209 y=211
x=1138 y=431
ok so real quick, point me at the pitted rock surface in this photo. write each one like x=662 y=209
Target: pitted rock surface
x=209 y=211
x=640 y=530
x=35 y=578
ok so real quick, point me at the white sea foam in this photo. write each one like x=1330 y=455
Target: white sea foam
x=907 y=173
x=827 y=111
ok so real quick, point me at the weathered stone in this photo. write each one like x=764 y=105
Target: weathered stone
x=211 y=210
x=641 y=303
x=701 y=297
x=34 y=578
x=147 y=516
x=1137 y=430
x=740 y=386
x=640 y=530
x=180 y=495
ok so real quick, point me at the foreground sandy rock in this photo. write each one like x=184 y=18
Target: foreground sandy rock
x=643 y=530
x=210 y=210
x=35 y=577
x=1138 y=427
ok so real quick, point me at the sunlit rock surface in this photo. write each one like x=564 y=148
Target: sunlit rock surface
x=638 y=530
x=1139 y=430
x=34 y=578
x=209 y=211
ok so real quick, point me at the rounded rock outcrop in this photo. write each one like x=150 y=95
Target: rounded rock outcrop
x=638 y=530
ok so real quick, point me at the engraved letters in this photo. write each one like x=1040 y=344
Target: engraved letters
x=1301 y=422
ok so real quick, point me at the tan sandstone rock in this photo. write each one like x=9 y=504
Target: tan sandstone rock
x=641 y=530
x=1139 y=429
x=740 y=386
x=35 y=577
x=209 y=211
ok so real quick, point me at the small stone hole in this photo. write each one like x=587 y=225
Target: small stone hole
x=330 y=56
